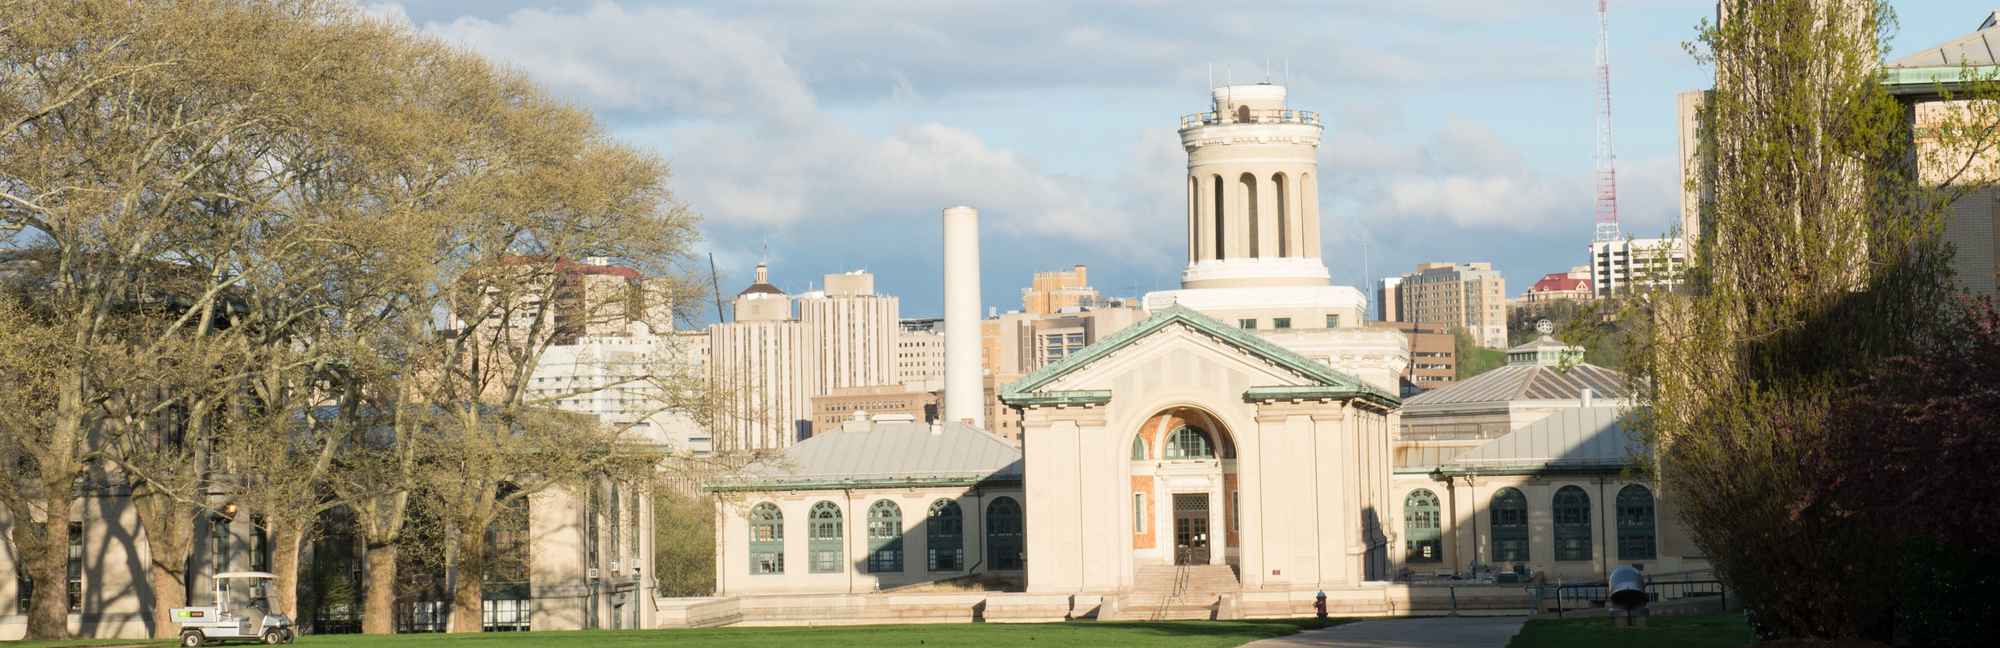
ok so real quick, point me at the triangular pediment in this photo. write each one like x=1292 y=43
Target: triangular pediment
x=1081 y=377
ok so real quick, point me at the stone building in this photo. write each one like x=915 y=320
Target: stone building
x=840 y=405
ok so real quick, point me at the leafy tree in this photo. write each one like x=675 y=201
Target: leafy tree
x=683 y=544
x=1818 y=258
x=1472 y=358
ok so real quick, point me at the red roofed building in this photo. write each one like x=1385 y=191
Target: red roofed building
x=1572 y=285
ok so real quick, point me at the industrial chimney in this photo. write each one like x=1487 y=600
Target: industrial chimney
x=964 y=396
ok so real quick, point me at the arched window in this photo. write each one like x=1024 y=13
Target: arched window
x=1221 y=220
x=1188 y=442
x=1285 y=244
x=823 y=532
x=1139 y=447
x=767 y=539
x=885 y=537
x=1422 y=531
x=1635 y=523
x=1510 y=526
x=944 y=536
x=1243 y=113
x=1572 y=510
x=1248 y=184
x=1003 y=535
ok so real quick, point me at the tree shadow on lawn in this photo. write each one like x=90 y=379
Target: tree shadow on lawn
x=1030 y=635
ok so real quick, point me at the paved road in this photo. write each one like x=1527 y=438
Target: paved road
x=1437 y=632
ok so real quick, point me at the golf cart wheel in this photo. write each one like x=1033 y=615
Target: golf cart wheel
x=274 y=636
x=193 y=639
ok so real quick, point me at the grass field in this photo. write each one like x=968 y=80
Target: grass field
x=1192 y=634
x=1719 y=631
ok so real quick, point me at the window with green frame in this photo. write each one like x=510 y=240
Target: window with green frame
x=1139 y=447
x=944 y=536
x=823 y=538
x=1422 y=534
x=1003 y=535
x=885 y=537
x=1281 y=322
x=1572 y=513
x=1188 y=442
x=1635 y=523
x=1509 y=517
x=767 y=539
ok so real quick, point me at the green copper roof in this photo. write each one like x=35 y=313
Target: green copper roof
x=1327 y=379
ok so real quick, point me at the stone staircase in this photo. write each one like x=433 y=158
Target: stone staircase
x=1168 y=592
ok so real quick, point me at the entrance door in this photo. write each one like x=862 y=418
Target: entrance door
x=1191 y=528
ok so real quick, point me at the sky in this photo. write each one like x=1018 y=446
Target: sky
x=823 y=137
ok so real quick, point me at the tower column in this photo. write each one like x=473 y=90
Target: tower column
x=1240 y=197
x=1309 y=198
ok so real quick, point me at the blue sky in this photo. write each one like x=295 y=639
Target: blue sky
x=826 y=136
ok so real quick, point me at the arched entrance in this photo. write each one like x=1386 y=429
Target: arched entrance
x=1183 y=502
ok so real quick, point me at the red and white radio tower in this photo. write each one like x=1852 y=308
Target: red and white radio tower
x=1607 y=171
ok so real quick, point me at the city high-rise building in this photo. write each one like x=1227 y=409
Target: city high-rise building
x=762 y=367
x=1054 y=292
x=920 y=354
x=1468 y=296
x=1387 y=308
x=1625 y=266
x=852 y=331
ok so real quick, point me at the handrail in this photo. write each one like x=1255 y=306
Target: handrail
x=1596 y=593
x=1256 y=116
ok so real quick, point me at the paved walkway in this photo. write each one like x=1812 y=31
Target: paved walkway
x=1436 y=632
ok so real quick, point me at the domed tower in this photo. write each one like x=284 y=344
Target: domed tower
x=1253 y=217
x=1252 y=189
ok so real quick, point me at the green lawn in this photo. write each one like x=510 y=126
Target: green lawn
x=1719 y=631
x=1193 y=634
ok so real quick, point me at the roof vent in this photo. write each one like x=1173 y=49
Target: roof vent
x=1587 y=396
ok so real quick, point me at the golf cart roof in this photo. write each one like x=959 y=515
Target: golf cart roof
x=246 y=574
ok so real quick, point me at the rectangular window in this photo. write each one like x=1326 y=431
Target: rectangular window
x=260 y=545
x=1235 y=509
x=1281 y=322
x=218 y=543
x=1333 y=321
x=1138 y=512
x=1247 y=324
x=76 y=566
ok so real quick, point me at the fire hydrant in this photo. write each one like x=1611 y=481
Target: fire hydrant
x=1319 y=604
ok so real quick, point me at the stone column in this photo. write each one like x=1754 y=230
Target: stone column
x=1204 y=218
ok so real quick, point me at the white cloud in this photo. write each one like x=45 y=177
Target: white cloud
x=753 y=148
x=663 y=60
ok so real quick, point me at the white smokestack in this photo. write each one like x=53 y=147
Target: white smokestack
x=963 y=394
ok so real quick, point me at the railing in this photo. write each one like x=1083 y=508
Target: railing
x=1251 y=116
x=1584 y=596
x=1173 y=596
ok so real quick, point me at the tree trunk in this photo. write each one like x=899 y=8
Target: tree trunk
x=468 y=611
x=286 y=538
x=169 y=592
x=48 y=608
x=169 y=529
x=379 y=614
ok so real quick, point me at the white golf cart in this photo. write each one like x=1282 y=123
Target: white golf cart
x=240 y=613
